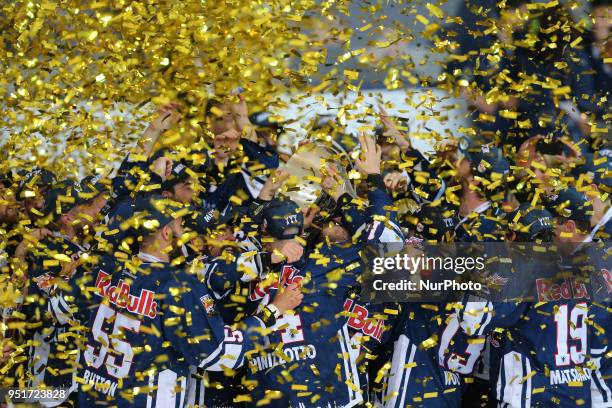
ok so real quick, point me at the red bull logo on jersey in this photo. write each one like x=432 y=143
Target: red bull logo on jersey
x=142 y=304
x=554 y=289
x=360 y=320
x=289 y=274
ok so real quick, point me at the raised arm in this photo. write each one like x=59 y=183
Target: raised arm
x=381 y=214
x=167 y=116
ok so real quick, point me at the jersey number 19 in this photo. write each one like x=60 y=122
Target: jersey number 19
x=571 y=328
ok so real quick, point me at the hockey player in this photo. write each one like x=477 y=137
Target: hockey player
x=231 y=180
x=546 y=346
x=409 y=370
x=233 y=266
x=53 y=258
x=154 y=320
x=481 y=170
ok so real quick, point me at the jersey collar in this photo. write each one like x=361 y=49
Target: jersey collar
x=604 y=220
x=149 y=258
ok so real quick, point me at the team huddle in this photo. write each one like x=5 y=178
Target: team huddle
x=190 y=278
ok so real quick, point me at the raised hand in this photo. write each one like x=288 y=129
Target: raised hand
x=332 y=182
x=240 y=113
x=391 y=129
x=162 y=166
x=273 y=184
x=395 y=181
x=289 y=251
x=30 y=239
x=370 y=157
x=309 y=215
x=167 y=116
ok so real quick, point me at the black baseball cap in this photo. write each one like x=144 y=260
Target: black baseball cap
x=34 y=180
x=528 y=222
x=61 y=198
x=266 y=120
x=570 y=204
x=487 y=161
x=597 y=168
x=6 y=179
x=153 y=212
x=179 y=174
x=283 y=218
x=434 y=223
x=203 y=219
x=93 y=186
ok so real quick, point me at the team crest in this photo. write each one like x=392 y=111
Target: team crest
x=209 y=305
x=45 y=282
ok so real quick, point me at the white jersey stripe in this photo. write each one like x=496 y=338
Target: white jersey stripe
x=212 y=356
x=499 y=388
x=150 y=392
x=601 y=396
x=513 y=373
x=353 y=353
x=407 y=376
x=397 y=370
x=183 y=391
x=528 y=385
x=345 y=362
x=166 y=389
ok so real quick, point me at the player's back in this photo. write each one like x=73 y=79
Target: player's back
x=315 y=341
x=539 y=353
x=132 y=357
x=543 y=357
x=544 y=354
x=413 y=376
x=540 y=349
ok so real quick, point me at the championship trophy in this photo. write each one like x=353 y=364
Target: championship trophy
x=310 y=165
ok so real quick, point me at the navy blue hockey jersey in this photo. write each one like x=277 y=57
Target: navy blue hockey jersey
x=412 y=375
x=54 y=354
x=150 y=326
x=545 y=353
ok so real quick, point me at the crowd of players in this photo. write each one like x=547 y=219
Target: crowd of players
x=188 y=277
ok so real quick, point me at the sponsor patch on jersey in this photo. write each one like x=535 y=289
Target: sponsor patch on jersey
x=209 y=305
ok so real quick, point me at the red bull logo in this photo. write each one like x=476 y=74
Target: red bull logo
x=289 y=275
x=359 y=320
x=143 y=304
x=553 y=289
